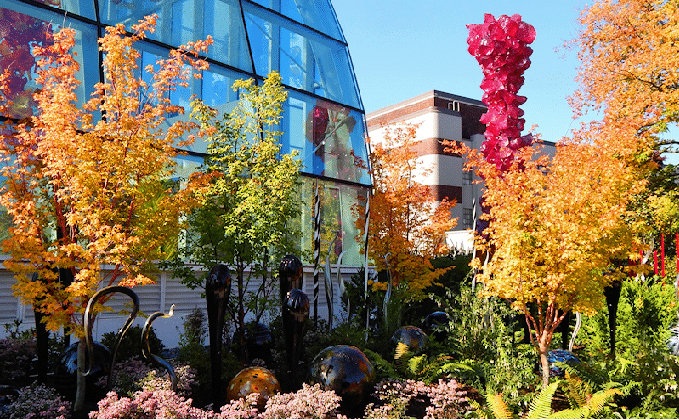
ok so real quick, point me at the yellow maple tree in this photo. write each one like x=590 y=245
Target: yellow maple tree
x=89 y=188
x=556 y=227
x=406 y=225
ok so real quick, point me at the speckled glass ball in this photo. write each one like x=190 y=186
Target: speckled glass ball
x=250 y=380
x=413 y=337
x=345 y=370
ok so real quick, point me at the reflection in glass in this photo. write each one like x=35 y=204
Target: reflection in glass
x=180 y=22
x=19 y=33
x=337 y=215
x=305 y=58
x=329 y=138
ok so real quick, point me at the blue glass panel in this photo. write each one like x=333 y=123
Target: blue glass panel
x=186 y=165
x=262 y=35
x=216 y=89
x=328 y=137
x=83 y=8
x=180 y=96
x=270 y=4
x=304 y=58
x=317 y=14
x=314 y=13
x=224 y=21
x=183 y=21
x=25 y=27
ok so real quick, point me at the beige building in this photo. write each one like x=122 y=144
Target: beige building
x=443 y=116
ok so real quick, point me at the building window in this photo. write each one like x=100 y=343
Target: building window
x=467 y=218
x=467 y=177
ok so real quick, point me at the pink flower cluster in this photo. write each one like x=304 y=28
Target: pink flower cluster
x=410 y=398
x=501 y=48
x=37 y=401
x=157 y=404
x=134 y=375
x=308 y=402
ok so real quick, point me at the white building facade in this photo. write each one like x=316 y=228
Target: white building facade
x=443 y=116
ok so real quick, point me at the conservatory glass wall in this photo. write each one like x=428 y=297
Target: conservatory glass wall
x=301 y=39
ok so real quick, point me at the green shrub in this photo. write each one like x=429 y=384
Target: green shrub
x=646 y=312
x=643 y=367
x=131 y=346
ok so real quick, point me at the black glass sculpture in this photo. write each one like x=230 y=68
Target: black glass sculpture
x=436 y=324
x=217 y=290
x=560 y=356
x=294 y=308
x=260 y=342
x=345 y=370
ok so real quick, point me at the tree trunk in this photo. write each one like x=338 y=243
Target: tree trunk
x=81 y=380
x=42 y=346
x=544 y=363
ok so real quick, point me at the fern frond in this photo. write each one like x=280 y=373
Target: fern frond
x=498 y=406
x=401 y=350
x=592 y=377
x=482 y=412
x=453 y=367
x=416 y=365
x=541 y=406
x=578 y=390
x=402 y=358
x=599 y=400
x=573 y=413
x=627 y=388
x=431 y=370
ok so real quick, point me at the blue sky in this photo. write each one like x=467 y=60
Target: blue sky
x=403 y=48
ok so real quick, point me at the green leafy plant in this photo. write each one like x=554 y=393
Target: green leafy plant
x=130 y=345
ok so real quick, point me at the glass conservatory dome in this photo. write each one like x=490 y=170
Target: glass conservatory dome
x=300 y=39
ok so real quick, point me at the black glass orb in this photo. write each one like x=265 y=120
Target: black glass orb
x=345 y=370
x=258 y=335
x=259 y=342
x=436 y=324
x=435 y=319
x=297 y=305
x=102 y=359
x=413 y=337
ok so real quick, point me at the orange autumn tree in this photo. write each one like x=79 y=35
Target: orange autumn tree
x=406 y=225
x=629 y=75
x=89 y=187
x=555 y=226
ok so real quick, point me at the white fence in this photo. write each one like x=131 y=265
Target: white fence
x=167 y=291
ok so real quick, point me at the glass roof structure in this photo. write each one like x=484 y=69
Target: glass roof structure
x=300 y=39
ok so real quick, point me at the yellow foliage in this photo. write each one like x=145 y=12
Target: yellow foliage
x=86 y=192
